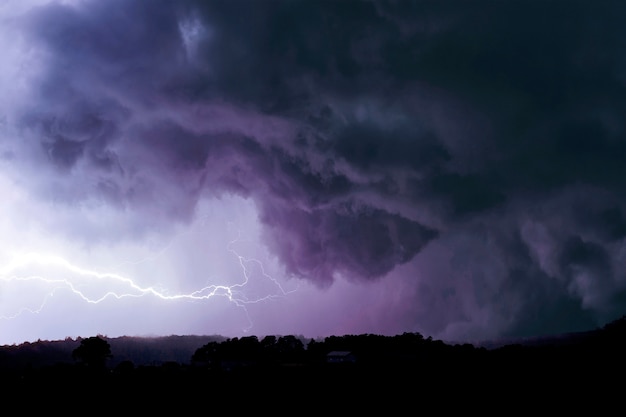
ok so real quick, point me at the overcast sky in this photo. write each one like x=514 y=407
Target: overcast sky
x=316 y=168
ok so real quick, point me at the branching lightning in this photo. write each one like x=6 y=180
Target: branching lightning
x=37 y=277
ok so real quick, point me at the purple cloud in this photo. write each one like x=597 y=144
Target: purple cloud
x=470 y=152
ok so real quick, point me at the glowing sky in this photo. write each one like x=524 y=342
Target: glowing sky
x=315 y=168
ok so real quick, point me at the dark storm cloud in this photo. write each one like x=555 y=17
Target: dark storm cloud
x=343 y=240
x=490 y=133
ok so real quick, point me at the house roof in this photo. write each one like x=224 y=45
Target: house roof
x=339 y=353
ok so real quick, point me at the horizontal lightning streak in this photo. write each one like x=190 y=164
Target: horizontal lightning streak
x=76 y=277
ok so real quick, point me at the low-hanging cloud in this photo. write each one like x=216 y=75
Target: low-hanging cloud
x=481 y=141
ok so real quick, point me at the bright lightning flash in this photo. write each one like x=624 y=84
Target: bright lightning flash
x=33 y=278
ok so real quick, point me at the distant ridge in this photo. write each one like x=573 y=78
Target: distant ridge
x=550 y=340
x=157 y=350
x=613 y=329
x=139 y=350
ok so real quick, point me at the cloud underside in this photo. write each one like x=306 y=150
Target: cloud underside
x=481 y=141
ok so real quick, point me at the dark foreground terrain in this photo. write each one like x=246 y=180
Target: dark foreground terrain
x=405 y=374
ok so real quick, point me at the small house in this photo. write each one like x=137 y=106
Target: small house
x=340 y=356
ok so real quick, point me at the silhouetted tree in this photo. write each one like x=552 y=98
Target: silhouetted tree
x=315 y=351
x=249 y=348
x=290 y=348
x=93 y=352
x=208 y=355
x=268 y=349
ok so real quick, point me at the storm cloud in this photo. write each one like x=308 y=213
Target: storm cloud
x=472 y=150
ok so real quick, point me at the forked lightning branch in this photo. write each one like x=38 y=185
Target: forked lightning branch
x=34 y=278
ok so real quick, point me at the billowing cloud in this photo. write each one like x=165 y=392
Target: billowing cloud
x=467 y=153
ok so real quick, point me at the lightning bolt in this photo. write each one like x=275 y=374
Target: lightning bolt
x=54 y=273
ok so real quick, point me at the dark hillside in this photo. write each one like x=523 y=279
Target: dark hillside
x=350 y=373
